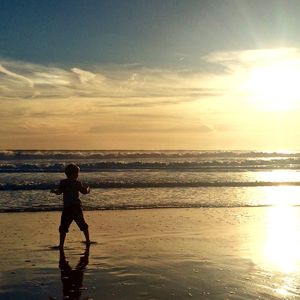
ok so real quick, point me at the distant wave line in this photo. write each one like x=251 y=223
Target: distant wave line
x=115 y=154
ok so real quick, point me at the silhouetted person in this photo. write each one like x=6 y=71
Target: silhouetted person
x=70 y=188
x=72 y=278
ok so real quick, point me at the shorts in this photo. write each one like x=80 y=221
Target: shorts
x=70 y=213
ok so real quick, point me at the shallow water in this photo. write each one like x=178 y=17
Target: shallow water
x=141 y=179
x=137 y=198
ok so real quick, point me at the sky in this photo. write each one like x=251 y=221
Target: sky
x=205 y=74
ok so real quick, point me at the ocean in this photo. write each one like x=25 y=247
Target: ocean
x=151 y=179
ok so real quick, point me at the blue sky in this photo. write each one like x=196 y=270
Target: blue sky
x=203 y=74
x=147 y=32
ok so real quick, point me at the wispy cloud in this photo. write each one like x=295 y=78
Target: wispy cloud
x=129 y=85
x=250 y=58
x=84 y=76
x=133 y=83
x=155 y=127
x=16 y=76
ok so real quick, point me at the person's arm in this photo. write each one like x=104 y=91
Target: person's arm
x=84 y=189
x=58 y=190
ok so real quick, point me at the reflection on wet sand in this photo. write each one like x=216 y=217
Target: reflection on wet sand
x=282 y=248
x=271 y=240
x=72 y=278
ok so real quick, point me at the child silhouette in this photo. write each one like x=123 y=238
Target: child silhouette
x=70 y=188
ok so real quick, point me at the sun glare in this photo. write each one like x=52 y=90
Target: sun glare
x=274 y=87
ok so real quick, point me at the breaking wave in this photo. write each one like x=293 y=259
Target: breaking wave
x=204 y=166
x=109 y=154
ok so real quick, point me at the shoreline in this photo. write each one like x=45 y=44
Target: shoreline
x=120 y=209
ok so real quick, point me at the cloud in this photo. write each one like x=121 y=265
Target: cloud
x=249 y=58
x=124 y=85
x=17 y=76
x=134 y=105
x=84 y=76
x=165 y=127
x=133 y=85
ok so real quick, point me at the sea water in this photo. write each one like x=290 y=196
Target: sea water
x=151 y=179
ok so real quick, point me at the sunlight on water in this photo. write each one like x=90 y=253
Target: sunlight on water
x=281 y=196
x=287 y=286
x=278 y=176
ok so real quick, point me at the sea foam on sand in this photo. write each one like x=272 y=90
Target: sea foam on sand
x=203 y=253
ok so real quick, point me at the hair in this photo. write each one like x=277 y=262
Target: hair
x=71 y=170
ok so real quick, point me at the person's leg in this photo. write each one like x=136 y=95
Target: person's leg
x=87 y=236
x=62 y=237
x=83 y=226
x=65 y=222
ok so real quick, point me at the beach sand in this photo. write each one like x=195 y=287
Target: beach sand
x=203 y=253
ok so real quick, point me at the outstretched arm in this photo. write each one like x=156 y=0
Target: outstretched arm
x=84 y=189
x=56 y=191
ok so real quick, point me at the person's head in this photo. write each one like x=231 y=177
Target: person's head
x=72 y=171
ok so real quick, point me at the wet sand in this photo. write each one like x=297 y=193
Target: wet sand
x=204 y=253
